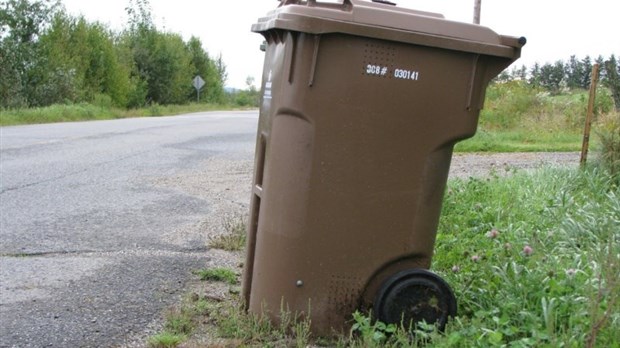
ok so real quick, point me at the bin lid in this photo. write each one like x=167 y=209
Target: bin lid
x=383 y=20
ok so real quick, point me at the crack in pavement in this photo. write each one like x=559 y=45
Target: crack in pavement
x=66 y=175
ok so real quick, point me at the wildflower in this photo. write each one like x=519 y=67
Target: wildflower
x=456 y=268
x=527 y=250
x=571 y=272
x=475 y=258
x=493 y=233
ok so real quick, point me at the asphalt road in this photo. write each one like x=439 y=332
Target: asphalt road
x=90 y=246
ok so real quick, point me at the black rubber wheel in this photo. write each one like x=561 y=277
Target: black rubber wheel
x=415 y=295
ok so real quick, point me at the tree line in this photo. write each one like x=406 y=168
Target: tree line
x=48 y=56
x=572 y=74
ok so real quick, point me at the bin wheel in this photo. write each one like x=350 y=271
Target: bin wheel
x=414 y=295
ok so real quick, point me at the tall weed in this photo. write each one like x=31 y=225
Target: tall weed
x=515 y=105
x=608 y=131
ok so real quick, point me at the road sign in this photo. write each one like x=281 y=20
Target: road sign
x=198 y=82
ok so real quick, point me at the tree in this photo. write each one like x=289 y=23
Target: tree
x=163 y=65
x=137 y=45
x=612 y=79
x=56 y=74
x=204 y=66
x=112 y=77
x=21 y=24
x=520 y=73
x=551 y=76
x=79 y=63
x=574 y=73
x=504 y=76
x=171 y=70
x=24 y=20
x=587 y=72
x=535 y=75
x=221 y=68
x=48 y=56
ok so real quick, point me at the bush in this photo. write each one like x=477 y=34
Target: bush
x=507 y=103
x=517 y=105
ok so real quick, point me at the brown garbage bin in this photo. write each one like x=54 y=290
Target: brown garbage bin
x=361 y=106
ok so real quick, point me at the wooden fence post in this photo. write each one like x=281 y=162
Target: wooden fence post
x=589 y=115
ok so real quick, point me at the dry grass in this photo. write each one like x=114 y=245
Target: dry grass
x=233 y=239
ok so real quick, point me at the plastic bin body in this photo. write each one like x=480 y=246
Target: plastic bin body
x=356 y=131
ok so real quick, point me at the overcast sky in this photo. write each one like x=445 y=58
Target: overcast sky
x=555 y=29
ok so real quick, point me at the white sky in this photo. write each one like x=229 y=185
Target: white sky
x=555 y=29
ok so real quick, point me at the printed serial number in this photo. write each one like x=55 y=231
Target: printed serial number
x=376 y=70
x=406 y=74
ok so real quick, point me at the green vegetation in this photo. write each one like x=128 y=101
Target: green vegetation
x=219 y=275
x=609 y=134
x=48 y=57
x=544 y=108
x=235 y=236
x=234 y=324
x=529 y=257
x=89 y=112
x=165 y=340
x=532 y=258
x=55 y=67
x=519 y=117
x=188 y=317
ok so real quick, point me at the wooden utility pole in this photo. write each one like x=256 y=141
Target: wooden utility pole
x=477 y=7
x=589 y=115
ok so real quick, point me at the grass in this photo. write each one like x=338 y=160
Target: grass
x=182 y=320
x=90 y=112
x=219 y=275
x=165 y=340
x=535 y=280
x=234 y=324
x=532 y=258
x=179 y=324
x=521 y=141
x=519 y=118
x=235 y=234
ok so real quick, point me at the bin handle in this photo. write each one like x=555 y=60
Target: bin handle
x=346 y=4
